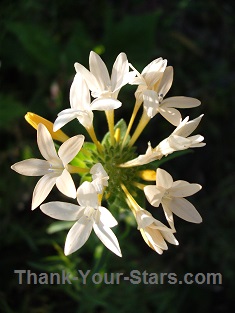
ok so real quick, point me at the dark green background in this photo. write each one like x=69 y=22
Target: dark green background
x=39 y=43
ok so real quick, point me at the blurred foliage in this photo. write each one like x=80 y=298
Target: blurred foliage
x=39 y=43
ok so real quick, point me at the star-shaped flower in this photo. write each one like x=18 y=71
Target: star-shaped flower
x=54 y=168
x=150 y=75
x=155 y=233
x=103 y=87
x=179 y=138
x=171 y=195
x=154 y=101
x=88 y=215
x=80 y=103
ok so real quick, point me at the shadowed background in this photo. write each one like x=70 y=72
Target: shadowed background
x=39 y=43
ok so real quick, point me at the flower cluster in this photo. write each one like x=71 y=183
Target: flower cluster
x=110 y=169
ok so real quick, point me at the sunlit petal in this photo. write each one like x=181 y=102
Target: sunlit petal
x=66 y=185
x=78 y=235
x=62 y=211
x=70 y=148
x=108 y=238
x=31 y=167
x=45 y=143
x=164 y=179
x=185 y=210
x=42 y=189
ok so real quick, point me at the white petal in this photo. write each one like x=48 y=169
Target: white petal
x=178 y=142
x=171 y=115
x=78 y=235
x=66 y=185
x=31 y=167
x=62 y=210
x=127 y=78
x=70 y=148
x=64 y=117
x=168 y=214
x=181 y=188
x=151 y=103
x=88 y=76
x=168 y=236
x=106 y=217
x=196 y=141
x=105 y=104
x=79 y=93
x=181 y=102
x=120 y=68
x=185 y=210
x=166 y=81
x=154 y=71
x=87 y=195
x=144 y=219
x=42 y=189
x=45 y=143
x=99 y=70
x=186 y=129
x=155 y=237
x=163 y=179
x=108 y=238
x=153 y=195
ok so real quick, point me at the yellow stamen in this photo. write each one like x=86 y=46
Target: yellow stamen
x=117 y=134
x=149 y=175
x=34 y=120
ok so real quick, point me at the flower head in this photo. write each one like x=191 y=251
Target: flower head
x=110 y=168
x=54 y=168
x=88 y=215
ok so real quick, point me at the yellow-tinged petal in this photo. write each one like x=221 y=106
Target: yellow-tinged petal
x=149 y=175
x=34 y=120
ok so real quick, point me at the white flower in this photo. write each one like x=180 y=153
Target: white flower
x=171 y=195
x=80 y=103
x=88 y=215
x=104 y=88
x=54 y=168
x=99 y=176
x=154 y=103
x=150 y=75
x=179 y=139
x=154 y=232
